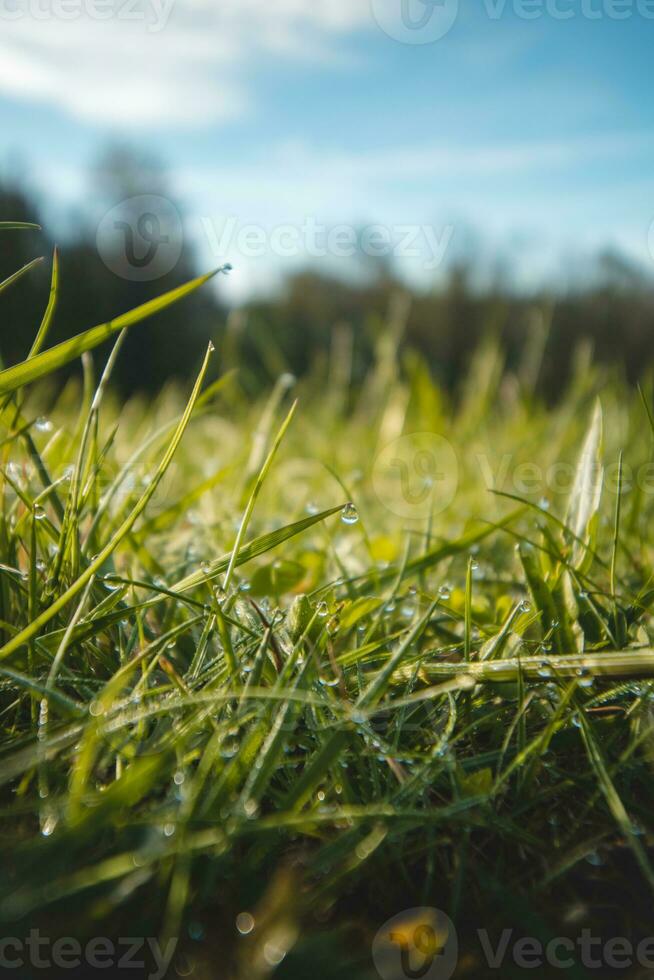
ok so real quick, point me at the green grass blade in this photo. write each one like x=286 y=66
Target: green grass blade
x=50 y=360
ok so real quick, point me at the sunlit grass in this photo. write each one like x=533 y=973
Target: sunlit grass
x=235 y=681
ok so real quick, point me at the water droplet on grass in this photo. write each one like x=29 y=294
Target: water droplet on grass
x=586 y=679
x=245 y=923
x=48 y=824
x=229 y=749
x=349 y=514
x=111 y=581
x=43 y=424
x=251 y=808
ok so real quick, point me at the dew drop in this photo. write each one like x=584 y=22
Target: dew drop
x=43 y=424
x=525 y=606
x=245 y=923
x=48 y=824
x=229 y=748
x=251 y=808
x=39 y=512
x=445 y=591
x=586 y=679
x=349 y=514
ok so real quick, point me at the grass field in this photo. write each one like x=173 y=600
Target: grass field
x=267 y=683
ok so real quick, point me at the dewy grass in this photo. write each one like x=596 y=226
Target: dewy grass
x=256 y=719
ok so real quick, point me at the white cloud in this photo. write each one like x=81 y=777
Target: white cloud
x=178 y=62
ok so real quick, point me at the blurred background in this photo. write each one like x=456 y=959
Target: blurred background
x=462 y=171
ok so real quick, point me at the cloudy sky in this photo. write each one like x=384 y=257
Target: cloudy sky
x=522 y=127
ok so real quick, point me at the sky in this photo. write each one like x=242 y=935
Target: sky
x=298 y=130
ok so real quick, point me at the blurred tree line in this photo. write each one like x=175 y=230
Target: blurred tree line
x=313 y=314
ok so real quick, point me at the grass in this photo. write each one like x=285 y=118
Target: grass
x=246 y=705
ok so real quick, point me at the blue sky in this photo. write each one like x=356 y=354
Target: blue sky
x=530 y=136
